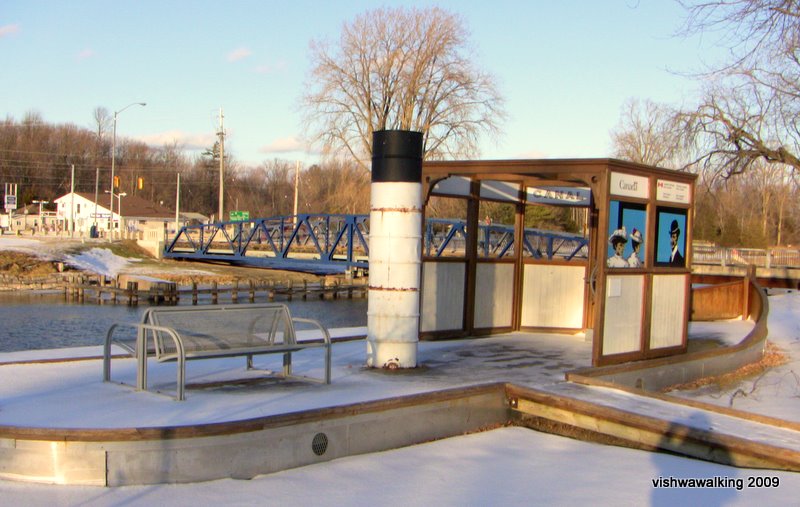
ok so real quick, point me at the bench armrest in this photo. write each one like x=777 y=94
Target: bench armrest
x=327 y=339
x=325 y=335
x=140 y=352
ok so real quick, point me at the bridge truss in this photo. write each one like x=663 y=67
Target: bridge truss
x=326 y=243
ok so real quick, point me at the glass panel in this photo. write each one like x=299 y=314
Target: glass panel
x=445 y=232
x=556 y=233
x=496 y=230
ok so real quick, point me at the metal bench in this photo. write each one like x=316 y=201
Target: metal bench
x=184 y=333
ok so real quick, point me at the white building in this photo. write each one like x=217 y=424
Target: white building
x=132 y=215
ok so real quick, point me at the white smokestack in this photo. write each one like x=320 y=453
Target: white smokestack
x=395 y=249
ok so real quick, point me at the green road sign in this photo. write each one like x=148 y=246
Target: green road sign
x=239 y=216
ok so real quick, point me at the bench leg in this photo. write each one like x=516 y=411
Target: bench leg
x=141 y=360
x=181 y=378
x=287 y=364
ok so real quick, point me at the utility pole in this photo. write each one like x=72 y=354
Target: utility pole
x=72 y=203
x=96 y=187
x=221 y=135
x=296 y=185
x=177 y=205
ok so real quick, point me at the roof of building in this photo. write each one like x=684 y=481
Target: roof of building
x=131 y=206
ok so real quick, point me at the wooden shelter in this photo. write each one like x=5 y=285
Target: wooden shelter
x=557 y=280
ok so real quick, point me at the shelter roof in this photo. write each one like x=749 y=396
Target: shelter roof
x=561 y=171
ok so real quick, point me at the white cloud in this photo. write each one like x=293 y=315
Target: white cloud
x=7 y=30
x=86 y=54
x=239 y=54
x=286 y=145
x=183 y=139
x=270 y=68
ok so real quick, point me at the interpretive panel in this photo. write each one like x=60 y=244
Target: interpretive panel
x=668 y=311
x=623 y=314
x=553 y=296
x=442 y=296
x=494 y=294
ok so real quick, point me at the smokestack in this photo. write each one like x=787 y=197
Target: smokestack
x=395 y=249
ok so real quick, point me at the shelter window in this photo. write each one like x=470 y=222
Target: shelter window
x=496 y=230
x=555 y=233
x=445 y=233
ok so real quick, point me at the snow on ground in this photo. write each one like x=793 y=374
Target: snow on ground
x=510 y=466
x=96 y=260
x=100 y=261
x=776 y=392
x=28 y=398
x=43 y=248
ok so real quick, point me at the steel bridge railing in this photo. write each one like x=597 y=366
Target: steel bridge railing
x=448 y=237
x=335 y=243
x=308 y=242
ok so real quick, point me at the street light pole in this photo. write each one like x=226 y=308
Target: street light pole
x=113 y=164
x=119 y=205
x=41 y=224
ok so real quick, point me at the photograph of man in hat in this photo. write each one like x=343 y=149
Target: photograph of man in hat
x=618 y=240
x=675 y=258
x=634 y=261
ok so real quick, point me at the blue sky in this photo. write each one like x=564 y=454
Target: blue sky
x=564 y=67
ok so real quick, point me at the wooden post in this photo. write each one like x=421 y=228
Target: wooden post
x=235 y=291
x=289 y=290
x=194 y=292
x=214 y=293
x=751 y=275
x=132 y=292
x=252 y=291
x=101 y=285
x=114 y=285
x=271 y=291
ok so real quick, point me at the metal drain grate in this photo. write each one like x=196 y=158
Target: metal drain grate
x=320 y=444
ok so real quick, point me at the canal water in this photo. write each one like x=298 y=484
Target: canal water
x=31 y=321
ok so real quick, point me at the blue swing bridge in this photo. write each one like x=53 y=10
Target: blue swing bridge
x=338 y=243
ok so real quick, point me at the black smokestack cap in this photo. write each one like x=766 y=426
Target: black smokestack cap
x=397 y=156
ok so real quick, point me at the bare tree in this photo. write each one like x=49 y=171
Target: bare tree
x=103 y=121
x=400 y=68
x=751 y=109
x=650 y=133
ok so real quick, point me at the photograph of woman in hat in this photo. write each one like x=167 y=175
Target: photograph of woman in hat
x=634 y=261
x=618 y=240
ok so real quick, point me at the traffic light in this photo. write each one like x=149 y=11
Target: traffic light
x=139 y=183
x=116 y=181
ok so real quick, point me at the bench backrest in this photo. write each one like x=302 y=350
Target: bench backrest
x=212 y=328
